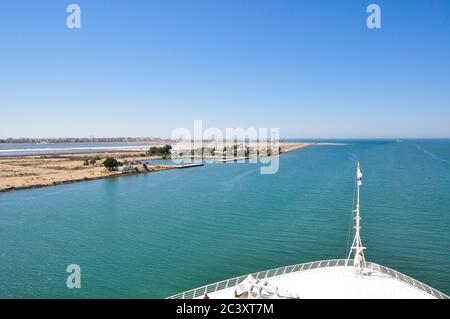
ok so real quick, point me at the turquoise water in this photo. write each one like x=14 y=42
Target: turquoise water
x=154 y=235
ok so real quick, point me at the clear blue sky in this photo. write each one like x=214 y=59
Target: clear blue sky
x=142 y=68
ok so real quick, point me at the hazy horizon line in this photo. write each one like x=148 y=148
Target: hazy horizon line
x=170 y=139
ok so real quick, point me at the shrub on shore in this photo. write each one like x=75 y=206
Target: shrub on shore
x=111 y=163
x=160 y=151
x=89 y=162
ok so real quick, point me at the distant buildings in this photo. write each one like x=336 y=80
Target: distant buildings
x=79 y=140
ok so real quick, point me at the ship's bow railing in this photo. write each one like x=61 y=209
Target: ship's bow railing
x=407 y=280
x=229 y=283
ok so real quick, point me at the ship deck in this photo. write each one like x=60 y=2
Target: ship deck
x=327 y=279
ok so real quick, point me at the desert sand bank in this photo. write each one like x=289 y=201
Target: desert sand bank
x=20 y=172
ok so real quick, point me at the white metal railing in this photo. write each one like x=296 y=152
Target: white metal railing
x=211 y=288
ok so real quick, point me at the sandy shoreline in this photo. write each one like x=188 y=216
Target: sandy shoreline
x=31 y=171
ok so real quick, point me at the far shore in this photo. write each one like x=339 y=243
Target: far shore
x=31 y=171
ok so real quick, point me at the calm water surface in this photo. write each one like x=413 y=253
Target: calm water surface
x=154 y=235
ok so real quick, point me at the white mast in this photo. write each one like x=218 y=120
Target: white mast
x=357 y=248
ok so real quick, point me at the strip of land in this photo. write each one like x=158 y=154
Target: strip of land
x=20 y=172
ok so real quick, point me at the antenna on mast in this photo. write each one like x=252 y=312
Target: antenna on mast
x=357 y=247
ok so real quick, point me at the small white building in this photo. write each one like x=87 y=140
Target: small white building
x=127 y=168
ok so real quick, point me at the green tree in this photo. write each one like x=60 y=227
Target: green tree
x=160 y=151
x=111 y=163
x=165 y=150
x=153 y=150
